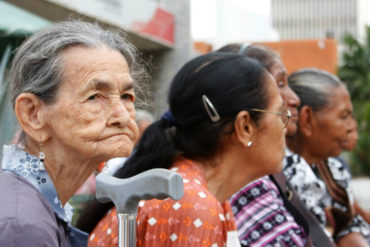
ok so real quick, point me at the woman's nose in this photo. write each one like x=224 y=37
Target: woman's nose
x=119 y=116
x=293 y=99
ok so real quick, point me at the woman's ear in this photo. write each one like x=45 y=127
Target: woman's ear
x=306 y=120
x=28 y=110
x=244 y=128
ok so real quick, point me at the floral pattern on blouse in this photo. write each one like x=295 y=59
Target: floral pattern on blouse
x=314 y=194
x=197 y=219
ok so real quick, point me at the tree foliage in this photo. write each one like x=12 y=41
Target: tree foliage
x=355 y=72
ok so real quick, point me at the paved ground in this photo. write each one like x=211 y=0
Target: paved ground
x=361 y=189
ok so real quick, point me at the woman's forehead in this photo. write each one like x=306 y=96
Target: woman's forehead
x=277 y=69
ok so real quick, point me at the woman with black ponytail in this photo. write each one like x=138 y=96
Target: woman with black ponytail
x=225 y=127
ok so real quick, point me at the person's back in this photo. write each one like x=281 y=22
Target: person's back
x=198 y=217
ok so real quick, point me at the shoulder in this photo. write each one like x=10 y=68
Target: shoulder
x=293 y=163
x=197 y=213
x=256 y=203
x=254 y=191
x=297 y=170
x=27 y=233
x=196 y=201
x=339 y=170
x=21 y=202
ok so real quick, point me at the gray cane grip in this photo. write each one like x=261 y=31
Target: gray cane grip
x=126 y=193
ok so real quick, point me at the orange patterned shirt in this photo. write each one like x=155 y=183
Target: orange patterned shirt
x=198 y=219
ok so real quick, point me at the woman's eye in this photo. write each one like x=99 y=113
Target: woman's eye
x=127 y=96
x=92 y=97
x=281 y=84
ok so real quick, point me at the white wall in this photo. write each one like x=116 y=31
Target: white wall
x=226 y=21
x=363 y=17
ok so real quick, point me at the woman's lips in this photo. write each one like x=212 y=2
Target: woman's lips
x=117 y=135
x=294 y=114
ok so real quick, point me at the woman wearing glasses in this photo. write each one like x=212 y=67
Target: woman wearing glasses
x=225 y=111
x=322 y=182
x=263 y=215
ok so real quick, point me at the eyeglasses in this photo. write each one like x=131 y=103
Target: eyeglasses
x=285 y=115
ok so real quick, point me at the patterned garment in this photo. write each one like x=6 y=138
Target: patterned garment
x=198 y=219
x=314 y=194
x=16 y=161
x=261 y=217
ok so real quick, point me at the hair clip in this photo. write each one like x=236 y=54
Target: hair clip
x=243 y=47
x=211 y=110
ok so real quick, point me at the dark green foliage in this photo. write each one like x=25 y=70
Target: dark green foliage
x=355 y=72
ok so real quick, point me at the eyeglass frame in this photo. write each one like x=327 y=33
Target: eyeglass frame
x=281 y=114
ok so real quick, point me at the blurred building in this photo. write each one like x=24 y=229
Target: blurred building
x=320 y=19
x=159 y=28
x=219 y=22
x=202 y=47
x=315 y=19
x=299 y=54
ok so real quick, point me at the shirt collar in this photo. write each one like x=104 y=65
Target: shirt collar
x=24 y=164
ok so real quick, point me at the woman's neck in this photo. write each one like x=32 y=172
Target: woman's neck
x=299 y=146
x=223 y=177
x=63 y=169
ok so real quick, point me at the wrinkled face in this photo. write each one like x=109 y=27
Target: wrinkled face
x=352 y=137
x=93 y=114
x=290 y=99
x=332 y=124
x=270 y=139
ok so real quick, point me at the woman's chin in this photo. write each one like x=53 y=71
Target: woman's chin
x=336 y=153
x=279 y=168
x=291 y=129
x=117 y=152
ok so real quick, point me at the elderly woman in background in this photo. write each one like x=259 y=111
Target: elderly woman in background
x=225 y=110
x=350 y=145
x=73 y=95
x=321 y=181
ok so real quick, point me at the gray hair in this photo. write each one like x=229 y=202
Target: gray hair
x=142 y=115
x=313 y=87
x=37 y=66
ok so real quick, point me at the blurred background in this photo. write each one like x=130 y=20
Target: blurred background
x=332 y=35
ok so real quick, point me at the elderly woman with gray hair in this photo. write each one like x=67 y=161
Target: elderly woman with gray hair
x=321 y=181
x=73 y=94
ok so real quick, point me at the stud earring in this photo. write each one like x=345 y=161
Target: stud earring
x=249 y=144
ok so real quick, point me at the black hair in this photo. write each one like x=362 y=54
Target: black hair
x=263 y=54
x=231 y=82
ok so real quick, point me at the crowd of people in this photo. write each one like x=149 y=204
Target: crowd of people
x=258 y=149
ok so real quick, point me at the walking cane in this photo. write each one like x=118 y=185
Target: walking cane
x=127 y=193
